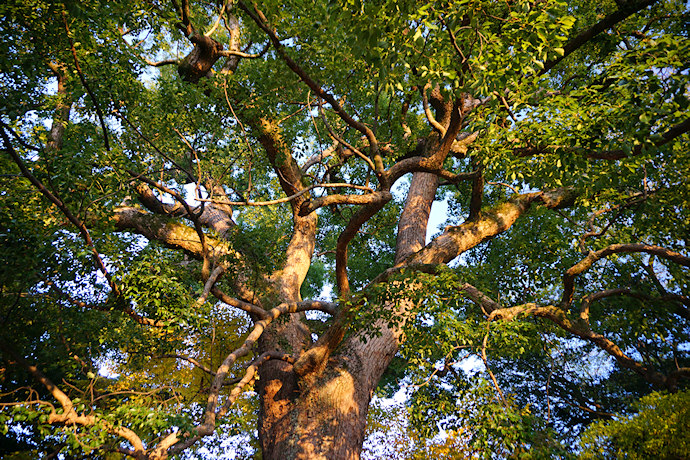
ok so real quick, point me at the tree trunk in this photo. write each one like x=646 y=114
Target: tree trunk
x=323 y=414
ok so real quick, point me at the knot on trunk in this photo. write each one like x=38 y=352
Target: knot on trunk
x=559 y=198
x=198 y=63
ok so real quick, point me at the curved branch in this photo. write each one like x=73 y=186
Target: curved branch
x=558 y=316
x=69 y=415
x=211 y=415
x=210 y=283
x=427 y=111
x=170 y=446
x=370 y=198
x=433 y=164
x=457 y=239
x=360 y=217
x=221 y=13
x=249 y=376
x=587 y=262
x=185 y=25
x=319 y=157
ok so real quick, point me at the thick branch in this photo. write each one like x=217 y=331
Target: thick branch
x=194 y=217
x=430 y=116
x=170 y=233
x=457 y=239
x=350 y=231
x=434 y=163
x=370 y=198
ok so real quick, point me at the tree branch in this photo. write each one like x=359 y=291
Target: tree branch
x=161 y=63
x=586 y=35
x=457 y=239
x=69 y=415
x=85 y=84
x=194 y=217
x=587 y=262
x=370 y=198
x=361 y=216
x=258 y=17
x=427 y=111
x=558 y=316
x=63 y=208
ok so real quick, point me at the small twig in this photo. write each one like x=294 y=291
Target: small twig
x=86 y=85
x=505 y=185
x=190 y=176
x=244 y=131
x=336 y=138
x=486 y=364
x=505 y=104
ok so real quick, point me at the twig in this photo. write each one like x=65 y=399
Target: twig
x=86 y=85
x=486 y=364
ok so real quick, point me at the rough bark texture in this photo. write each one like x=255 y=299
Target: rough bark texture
x=322 y=415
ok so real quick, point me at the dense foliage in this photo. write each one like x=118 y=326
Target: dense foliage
x=179 y=176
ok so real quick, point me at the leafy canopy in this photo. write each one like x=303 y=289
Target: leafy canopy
x=107 y=109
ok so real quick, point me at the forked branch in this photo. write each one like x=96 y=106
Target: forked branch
x=587 y=262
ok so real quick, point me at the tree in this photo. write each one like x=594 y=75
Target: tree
x=183 y=181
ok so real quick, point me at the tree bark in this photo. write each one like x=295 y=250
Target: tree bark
x=323 y=414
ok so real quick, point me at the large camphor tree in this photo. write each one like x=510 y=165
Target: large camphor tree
x=217 y=213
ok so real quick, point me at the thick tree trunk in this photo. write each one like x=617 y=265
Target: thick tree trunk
x=326 y=415
x=323 y=414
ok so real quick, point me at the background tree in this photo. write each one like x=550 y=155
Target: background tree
x=203 y=198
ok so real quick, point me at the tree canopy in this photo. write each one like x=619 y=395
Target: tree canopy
x=234 y=223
